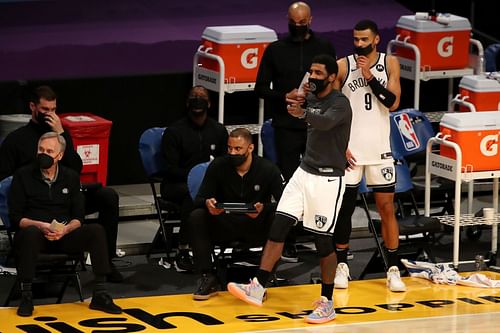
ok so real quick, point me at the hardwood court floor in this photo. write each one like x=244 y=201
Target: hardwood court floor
x=367 y=306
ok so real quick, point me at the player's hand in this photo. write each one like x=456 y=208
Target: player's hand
x=351 y=160
x=363 y=63
x=210 y=203
x=295 y=110
x=53 y=120
x=259 y=206
x=295 y=97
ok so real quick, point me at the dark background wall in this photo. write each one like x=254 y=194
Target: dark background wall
x=136 y=103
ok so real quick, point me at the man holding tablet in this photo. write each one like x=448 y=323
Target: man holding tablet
x=236 y=202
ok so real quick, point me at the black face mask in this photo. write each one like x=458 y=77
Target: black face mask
x=237 y=160
x=317 y=85
x=363 y=51
x=298 y=32
x=45 y=161
x=197 y=106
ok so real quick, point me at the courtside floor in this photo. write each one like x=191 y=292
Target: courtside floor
x=367 y=306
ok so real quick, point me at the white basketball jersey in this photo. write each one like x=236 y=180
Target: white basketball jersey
x=370 y=127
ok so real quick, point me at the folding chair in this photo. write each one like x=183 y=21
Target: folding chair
x=492 y=58
x=410 y=131
x=51 y=267
x=150 y=149
x=268 y=143
x=416 y=231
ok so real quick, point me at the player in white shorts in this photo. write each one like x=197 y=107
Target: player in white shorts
x=314 y=193
x=370 y=80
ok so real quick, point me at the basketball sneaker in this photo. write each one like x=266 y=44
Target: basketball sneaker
x=342 y=276
x=394 y=281
x=253 y=293
x=322 y=312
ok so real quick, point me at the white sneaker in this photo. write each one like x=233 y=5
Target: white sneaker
x=342 y=276
x=394 y=281
x=252 y=293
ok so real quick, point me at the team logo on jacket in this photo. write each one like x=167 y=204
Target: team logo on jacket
x=65 y=191
x=256 y=187
x=388 y=173
x=320 y=221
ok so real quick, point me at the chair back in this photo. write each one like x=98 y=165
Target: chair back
x=195 y=178
x=410 y=131
x=4 y=208
x=150 y=149
x=268 y=143
x=492 y=57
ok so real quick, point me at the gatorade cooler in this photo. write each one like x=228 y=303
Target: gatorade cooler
x=90 y=135
x=477 y=135
x=482 y=90
x=442 y=45
x=240 y=46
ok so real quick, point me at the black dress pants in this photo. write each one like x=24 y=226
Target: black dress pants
x=30 y=242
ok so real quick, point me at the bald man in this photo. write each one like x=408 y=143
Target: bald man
x=283 y=65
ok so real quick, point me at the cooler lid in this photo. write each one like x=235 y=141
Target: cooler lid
x=239 y=34
x=467 y=121
x=489 y=82
x=455 y=23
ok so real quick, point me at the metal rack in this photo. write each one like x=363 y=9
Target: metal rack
x=424 y=73
x=216 y=81
x=452 y=169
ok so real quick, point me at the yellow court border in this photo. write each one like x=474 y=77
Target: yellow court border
x=364 y=301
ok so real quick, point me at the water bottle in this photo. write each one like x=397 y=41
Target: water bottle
x=479 y=262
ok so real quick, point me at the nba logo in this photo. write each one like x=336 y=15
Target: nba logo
x=408 y=135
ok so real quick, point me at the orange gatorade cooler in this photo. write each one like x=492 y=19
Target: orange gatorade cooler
x=482 y=90
x=443 y=42
x=477 y=135
x=90 y=135
x=240 y=46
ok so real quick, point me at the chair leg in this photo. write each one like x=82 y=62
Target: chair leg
x=78 y=285
x=15 y=286
x=63 y=290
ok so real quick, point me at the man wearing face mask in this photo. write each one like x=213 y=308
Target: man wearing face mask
x=238 y=177
x=20 y=146
x=370 y=80
x=194 y=139
x=314 y=193
x=281 y=70
x=42 y=192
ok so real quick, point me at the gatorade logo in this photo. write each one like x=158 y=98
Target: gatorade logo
x=249 y=58
x=445 y=47
x=489 y=145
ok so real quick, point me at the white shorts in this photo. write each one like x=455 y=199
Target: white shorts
x=314 y=199
x=376 y=175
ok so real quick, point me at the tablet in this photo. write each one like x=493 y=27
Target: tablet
x=237 y=207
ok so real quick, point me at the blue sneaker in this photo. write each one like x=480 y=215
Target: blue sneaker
x=322 y=313
x=252 y=293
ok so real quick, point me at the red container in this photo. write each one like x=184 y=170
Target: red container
x=482 y=90
x=240 y=46
x=442 y=45
x=90 y=135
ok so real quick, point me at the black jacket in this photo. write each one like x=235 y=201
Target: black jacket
x=284 y=63
x=185 y=145
x=20 y=148
x=31 y=197
x=262 y=181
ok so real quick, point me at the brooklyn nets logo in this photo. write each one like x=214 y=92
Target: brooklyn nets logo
x=388 y=173
x=320 y=221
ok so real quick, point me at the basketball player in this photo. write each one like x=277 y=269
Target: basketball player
x=370 y=79
x=314 y=193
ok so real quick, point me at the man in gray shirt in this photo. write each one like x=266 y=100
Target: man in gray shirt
x=314 y=193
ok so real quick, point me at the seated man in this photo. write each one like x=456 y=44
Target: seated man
x=241 y=177
x=45 y=191
x=19 y=148
x=194 y=139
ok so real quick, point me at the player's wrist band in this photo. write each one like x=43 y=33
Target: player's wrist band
x=383 y=95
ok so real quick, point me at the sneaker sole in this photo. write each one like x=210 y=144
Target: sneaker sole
x=98 y=308
x=288 y=259
x=341 y=286
x=396 y=290
x=319 y=321
x=204 y=297
x=238 y=293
